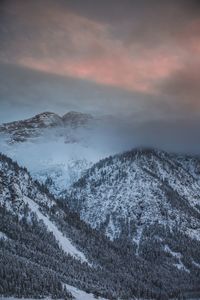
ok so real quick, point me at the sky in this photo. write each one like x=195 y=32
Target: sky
x=137 y=59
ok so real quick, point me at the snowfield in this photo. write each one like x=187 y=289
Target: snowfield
x=81 y=295
x=63 y=241
x=57 y=150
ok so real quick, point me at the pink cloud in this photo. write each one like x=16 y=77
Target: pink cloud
x=68 y=44
x=116 y=69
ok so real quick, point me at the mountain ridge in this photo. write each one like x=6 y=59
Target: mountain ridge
x=23 y=130
x=37 y=228
x=138 y=178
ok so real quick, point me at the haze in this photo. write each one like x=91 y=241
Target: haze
x=138 y=61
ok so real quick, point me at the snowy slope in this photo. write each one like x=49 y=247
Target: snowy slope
x=55 y=150
x=34 y=222
x=52 y=161
x=20 y=131
x=81 y=295
x=18 y=190
x=34 y=238
x=63 y=241
x=136 y=189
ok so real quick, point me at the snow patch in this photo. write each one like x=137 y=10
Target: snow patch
x=63 y=241
x=193 y=233
x=81 y=295
x=181 y=266
x=178 y=256
x=3 y=236
x=138 y=238
x=196 y=264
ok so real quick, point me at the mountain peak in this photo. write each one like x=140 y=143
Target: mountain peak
x=75 y=119
x=20 y=131
x=47 y=119
x=143 y=185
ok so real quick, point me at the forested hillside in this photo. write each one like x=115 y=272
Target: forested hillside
x=42 y=237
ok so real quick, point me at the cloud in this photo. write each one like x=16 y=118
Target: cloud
x=50 y=37
x=148 y=50
x=184 y=83
x=25 y=92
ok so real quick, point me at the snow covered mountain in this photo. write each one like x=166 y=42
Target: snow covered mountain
x=40 y=243
x=47 y=247
x=55 y=149
x=134 y=190
x=58 y=150
x=20 y=131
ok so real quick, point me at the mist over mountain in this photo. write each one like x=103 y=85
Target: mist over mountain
x=58 y=149
x=99 y=149
x=140 y=120
x=110 y=208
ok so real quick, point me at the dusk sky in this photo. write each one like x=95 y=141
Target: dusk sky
x=136 y=58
